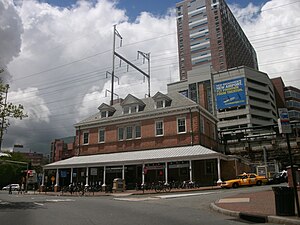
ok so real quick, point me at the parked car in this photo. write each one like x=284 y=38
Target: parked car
x=279 y=178
x=245 y=179
x=14 y=187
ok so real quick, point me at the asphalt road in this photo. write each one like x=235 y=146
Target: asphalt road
x=172 y=209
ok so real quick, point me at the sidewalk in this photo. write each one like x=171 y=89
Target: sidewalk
x=256 y=207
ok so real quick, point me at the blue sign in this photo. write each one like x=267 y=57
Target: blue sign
x=230 y=93
x=63 y=173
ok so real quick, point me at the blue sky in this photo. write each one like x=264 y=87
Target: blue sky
x=156 y=7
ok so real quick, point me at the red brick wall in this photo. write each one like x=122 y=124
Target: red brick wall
x=148 y=140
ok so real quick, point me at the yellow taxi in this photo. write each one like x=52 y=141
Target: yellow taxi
x=245 y=179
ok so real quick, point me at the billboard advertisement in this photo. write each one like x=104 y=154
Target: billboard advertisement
x=230 y=93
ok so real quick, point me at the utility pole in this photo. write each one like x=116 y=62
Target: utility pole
x=146 y=56
x=116 y=33
x=115 y=54
x=284 y=127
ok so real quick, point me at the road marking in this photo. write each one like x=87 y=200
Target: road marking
x=40 y=204
x=60 y=200
x=234 y=200
x=121 y=195
x=135 y=199
x=183 y=195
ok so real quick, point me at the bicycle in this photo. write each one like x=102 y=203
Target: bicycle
x=162 y=187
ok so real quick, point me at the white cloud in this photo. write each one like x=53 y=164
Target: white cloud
x=60 y=56
x=10 y=35
x=55 y=40
x=275 y=35
x=34 y=105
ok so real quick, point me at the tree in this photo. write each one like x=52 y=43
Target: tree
x=8 y=110
x=11 y=168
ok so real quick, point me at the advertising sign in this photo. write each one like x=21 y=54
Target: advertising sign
x=230 y=93
x=284 y=121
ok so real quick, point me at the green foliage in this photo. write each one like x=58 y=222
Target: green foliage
x=8 y=110
x=11 y=172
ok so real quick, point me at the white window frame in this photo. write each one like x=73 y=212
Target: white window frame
x=88 y=138
x=101 y=141
x=106 y=114
x=163 y=104
x=126 y=107
x=137 y=137
x=123 y=129
x=162 y=128
x=185 y=128
x=132 y=130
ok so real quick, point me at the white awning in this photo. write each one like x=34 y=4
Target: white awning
x=195 y=152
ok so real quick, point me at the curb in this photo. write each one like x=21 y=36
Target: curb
x=255 y=218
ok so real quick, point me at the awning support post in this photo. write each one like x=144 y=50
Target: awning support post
x=87 y=177
x=71 y=177
x=104 y=174
x=123 y=172
x=166 y=172
x=190 y=170
x=219 y=171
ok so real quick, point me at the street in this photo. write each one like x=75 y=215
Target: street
x=168 y=209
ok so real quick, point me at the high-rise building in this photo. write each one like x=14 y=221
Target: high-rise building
x=209 y=34
x=287 y=97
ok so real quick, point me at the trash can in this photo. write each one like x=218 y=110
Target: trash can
x=284 y=201
x=118 y=185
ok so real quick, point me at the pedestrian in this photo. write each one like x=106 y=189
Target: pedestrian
x=10 y=189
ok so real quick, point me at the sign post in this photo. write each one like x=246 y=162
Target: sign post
x=285 y=128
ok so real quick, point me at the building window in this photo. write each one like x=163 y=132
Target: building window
x=181 y=126
x=137 y=131
x=160 y=104
x=128 y=132
x=159 y=128
x=85 y=138
x=101 y=135
x=120 y=133
x=202 y=126
x=103 y=114
x=134 y=109
x=126 y=110
x=131 y=109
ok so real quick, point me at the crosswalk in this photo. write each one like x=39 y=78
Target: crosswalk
x=158 y=197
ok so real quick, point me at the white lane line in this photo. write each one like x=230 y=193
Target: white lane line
x=135 y=199
x=183 y=195
x=60 y=200
x=40 y=204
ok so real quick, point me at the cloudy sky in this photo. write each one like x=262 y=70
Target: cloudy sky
x=56 y=54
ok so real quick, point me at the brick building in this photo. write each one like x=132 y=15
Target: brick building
x=209 y=34
x=62 y=148
x=164 y=138
x=136 y=124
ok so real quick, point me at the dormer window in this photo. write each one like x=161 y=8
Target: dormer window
x=104 y=114
x=160 y=104
x=130 y=109
x=132 y=104
x=106 y=110
x=126 y=110
x=161 y=100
